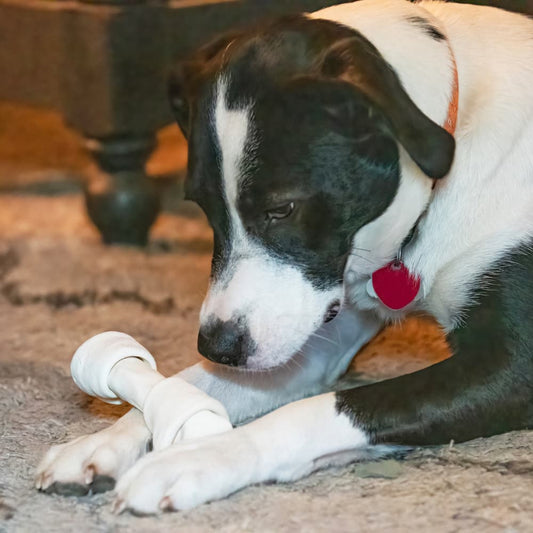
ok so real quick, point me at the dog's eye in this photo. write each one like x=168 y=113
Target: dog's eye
x=283 y=211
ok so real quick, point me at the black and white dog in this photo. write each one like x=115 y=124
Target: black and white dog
x=321 y=150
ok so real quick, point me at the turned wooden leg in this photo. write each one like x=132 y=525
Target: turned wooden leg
x=121 y=200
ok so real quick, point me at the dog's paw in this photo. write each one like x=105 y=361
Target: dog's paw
x=188 y=474
x=92 y=463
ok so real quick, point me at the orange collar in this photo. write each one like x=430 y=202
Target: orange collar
x=453 y=107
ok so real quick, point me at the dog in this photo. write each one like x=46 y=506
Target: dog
x=356 y=164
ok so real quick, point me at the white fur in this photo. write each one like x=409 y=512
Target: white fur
x=232 y=127
x=281 y=307
x=272 y=448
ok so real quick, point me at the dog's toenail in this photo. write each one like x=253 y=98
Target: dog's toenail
x=89 y=474
x=118 y=506
x=166 y=504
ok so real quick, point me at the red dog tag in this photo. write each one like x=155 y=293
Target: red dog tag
x=395 y=286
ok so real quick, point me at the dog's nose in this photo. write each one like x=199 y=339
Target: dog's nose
x=224 y=342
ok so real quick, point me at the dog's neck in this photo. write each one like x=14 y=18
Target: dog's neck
x=450 y=125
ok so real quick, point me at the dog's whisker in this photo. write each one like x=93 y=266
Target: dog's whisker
x=322 y=337
x=359 y=256
x=294 y=362
x=339 y=342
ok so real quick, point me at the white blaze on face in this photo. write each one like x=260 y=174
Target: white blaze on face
x=233 y=132
x=280 y=306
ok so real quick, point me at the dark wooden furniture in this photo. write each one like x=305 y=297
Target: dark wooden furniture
x=103 y=65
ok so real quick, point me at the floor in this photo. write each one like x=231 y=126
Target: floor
x=59 y=285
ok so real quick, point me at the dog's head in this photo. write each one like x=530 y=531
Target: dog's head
x=293 y=135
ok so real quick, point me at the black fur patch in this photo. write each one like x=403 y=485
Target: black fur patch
x=485 y=388
x=425 y=25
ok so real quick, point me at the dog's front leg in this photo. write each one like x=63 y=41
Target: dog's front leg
x=432 y=406
x=324 y=358
x=94 y=462
x=284 y=445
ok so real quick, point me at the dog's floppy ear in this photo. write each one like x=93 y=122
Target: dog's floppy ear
x=187 y=74
x=357 y=61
